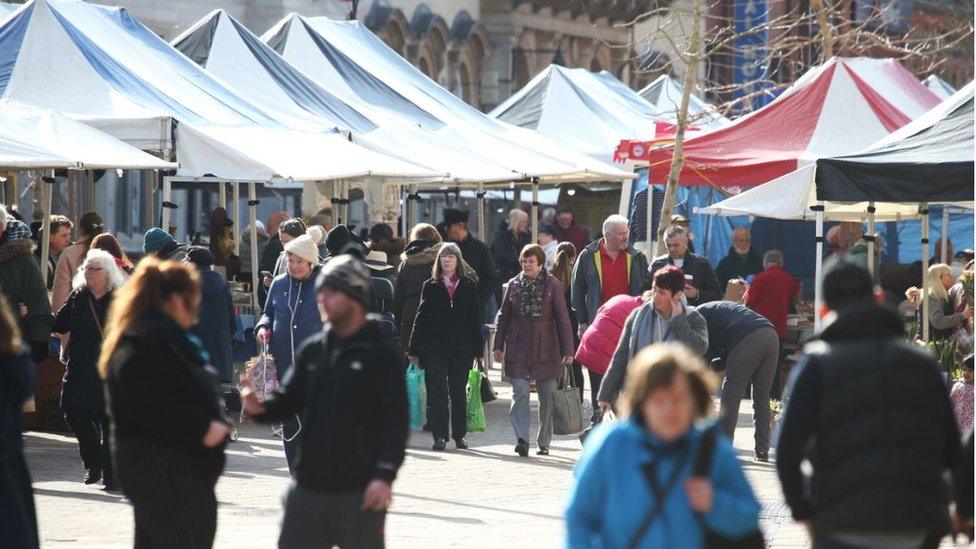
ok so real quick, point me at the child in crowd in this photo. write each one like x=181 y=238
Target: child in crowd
x=961 y=396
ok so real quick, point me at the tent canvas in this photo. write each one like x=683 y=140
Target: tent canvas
x=938 y=86
x=664 y=93
x=223 y=46
x=352 y=62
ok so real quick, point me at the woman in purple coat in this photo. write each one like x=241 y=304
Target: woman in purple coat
x=534 y=329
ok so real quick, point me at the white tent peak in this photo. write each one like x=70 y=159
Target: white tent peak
x=665 y=94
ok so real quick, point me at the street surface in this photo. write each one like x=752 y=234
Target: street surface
x=483 y=497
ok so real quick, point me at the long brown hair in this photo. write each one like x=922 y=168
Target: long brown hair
x=91 y=225
x=152 y=283
x=562 y=267
x=447 y=248
x=107 y=242
x=11 y=342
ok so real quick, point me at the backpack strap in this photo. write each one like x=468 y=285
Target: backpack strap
x=706 y=449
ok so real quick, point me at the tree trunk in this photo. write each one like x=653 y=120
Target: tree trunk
x=677 y=159
x=826 y=32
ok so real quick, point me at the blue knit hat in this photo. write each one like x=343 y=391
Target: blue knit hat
x=156 y=239
x=16 y=230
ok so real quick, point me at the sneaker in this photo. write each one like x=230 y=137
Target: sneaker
x=440 y=444
x=92 y=476
x=542 y=451
x=461 y=443
x=762 y=456
x=522 y=448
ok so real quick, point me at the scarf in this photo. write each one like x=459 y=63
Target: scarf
x=531 y=294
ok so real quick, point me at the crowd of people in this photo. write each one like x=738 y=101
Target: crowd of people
x=342 y=316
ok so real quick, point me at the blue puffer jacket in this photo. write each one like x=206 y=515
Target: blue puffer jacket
x=292 y=315
x=611 y=496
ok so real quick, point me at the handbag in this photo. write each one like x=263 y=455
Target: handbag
x=567 y=410
x=488 y=393
x=416 y=381
x=702 y=466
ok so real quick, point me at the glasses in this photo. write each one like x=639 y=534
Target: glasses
x=93 y=269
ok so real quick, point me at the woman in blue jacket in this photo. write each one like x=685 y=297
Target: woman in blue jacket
x=290 y=317
x=634 y=485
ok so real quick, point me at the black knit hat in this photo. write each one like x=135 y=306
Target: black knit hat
x=200 y=256
x=452 y=216
x=348 y=275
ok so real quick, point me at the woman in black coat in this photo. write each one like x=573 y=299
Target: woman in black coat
x=17 y=514
x=81 y=323
x=446 y=338
x=511 y=237
x=170 y=428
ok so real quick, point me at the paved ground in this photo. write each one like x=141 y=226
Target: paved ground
x=484 y=497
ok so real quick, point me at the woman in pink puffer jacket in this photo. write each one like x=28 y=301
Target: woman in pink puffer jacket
x=601 y=337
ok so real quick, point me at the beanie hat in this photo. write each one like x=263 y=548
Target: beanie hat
x=337 y=240
x=452 y=216
x=200 y=256
x=156 y=239
x=347 y=275
x=16 y=230
x=316 y=233
x=304 y=248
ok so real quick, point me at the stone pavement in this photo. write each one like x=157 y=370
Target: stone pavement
x=484 y=497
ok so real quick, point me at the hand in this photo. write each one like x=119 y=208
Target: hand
x=604 y=406
x=267 y=280
x=677 y=308
x=913 y=293
x=251 y=403
x=264 y=335
x=568 y=360
x=414 y=359
x=809 y=528
x=691 y=291
x=582 y=329
x=700 y=494
x=498 y=356
x=378 y=496
x=216 y=434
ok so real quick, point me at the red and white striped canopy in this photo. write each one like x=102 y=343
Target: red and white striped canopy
x=837 y=108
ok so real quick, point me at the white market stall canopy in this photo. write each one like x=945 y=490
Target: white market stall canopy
x=227 y=49
x=938 y=86
x=99 y=65
x=664 y=93
x=352 y=62
x=580 y=110
x=31 y=138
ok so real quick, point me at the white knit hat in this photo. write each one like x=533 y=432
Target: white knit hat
x=317 y=234
x=305 y=248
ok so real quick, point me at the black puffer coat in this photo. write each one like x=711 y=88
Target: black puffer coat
x=505 y=249
x=83 y=317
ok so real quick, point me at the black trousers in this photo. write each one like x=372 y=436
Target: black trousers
x=92 y=431
x=315 y=520
x=174 y=506
x=595 y=381
x=447 y=379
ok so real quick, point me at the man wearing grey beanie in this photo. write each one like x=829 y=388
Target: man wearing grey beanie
x=347 y=384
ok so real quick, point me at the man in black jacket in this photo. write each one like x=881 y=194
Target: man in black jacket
x=870 y=412
x=703 y=286
x=476 y=254
x=348 y=386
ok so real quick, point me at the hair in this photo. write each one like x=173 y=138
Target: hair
x=11 y=342
x=655 y=368
x=90 y=226
x=740 y=230
x=151 y=285
x=381 y=231
x=613 y=220
x=447 y=248
x=104 y=260
x=934 y=281
x=669 y=278
x=513 y=218
x=107 y=242
x=562 y=268
x=675 y=230
x=546 y=229
x=320 y=218
x=846 y=284
x=276 y=219
x=425 y=231
x=294 y=227
x=773 y=257
x=967 y=363
x=564 y=209
x=533 y=250
x=58 y=221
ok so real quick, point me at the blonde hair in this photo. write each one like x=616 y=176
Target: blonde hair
x=152 y=283
x=933 y=281
x=447 y=248
x=514 y=216
x=656 y=367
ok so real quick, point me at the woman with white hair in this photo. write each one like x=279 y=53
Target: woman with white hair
x=942 y=318
x=512 y=236
x=81 y=321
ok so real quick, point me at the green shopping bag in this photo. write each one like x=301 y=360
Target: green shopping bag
x=476 y=410
x=417 y=396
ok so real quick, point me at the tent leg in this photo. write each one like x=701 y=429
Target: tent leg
x=535 y=210
x=94 y=192
x=73 y=202
x=149 y=199
x=46 y=189
x=15 y=190
x=235 y=198
x=252 y=207
x=412 y=207
x=167 y=199
x=945 y=235
x=481 y=212
x=221 y=195
x=818 y=271
x=870 y=235
x=924 y=210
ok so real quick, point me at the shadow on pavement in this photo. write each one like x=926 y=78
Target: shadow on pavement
x=475 y=506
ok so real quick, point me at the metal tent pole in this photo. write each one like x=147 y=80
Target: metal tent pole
x=412 y=202
x=73 y=177
x=167 y=203
x=222 y=195
x=46 y=186
x=149 y=199
x=252 y=207
x=235 y=198
x=535 y=210
x=870 y=238
x=818 y=271
x=482 y=233
x=945 y=235
x=925 y=270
